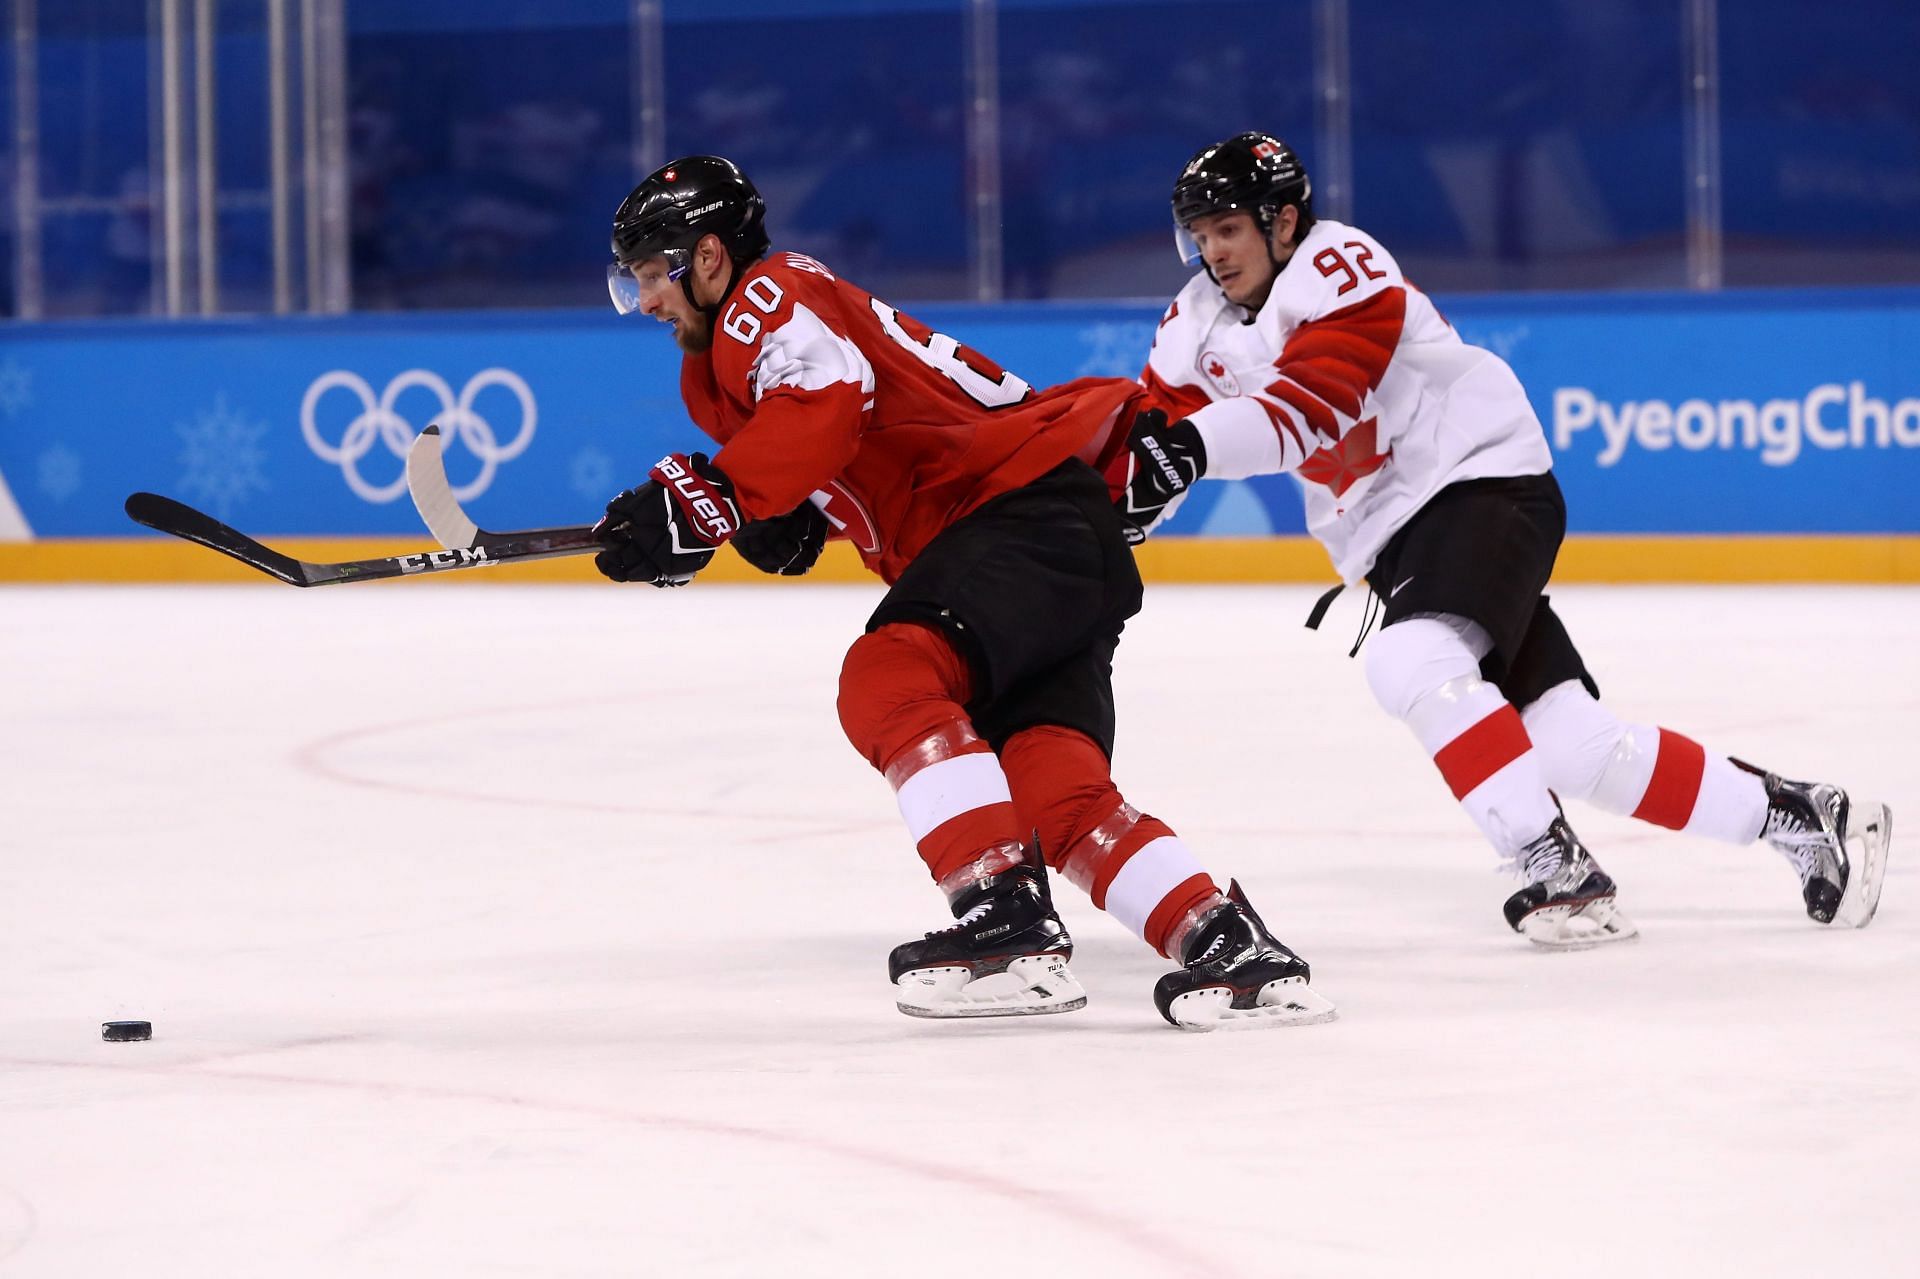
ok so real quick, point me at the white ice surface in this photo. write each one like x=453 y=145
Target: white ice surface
x=541 y=931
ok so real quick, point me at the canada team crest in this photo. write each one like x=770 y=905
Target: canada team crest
x=1218 y=375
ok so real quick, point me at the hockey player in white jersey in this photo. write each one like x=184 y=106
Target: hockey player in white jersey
x=1301 y=348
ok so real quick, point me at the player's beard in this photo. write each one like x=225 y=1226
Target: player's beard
x=694 y=333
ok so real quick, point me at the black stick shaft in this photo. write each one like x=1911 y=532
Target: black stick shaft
x=181 y=520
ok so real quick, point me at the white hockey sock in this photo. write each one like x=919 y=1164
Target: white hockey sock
x=1424 y=673
x=1136 y=869
x=1654 y=774
x=954 y=798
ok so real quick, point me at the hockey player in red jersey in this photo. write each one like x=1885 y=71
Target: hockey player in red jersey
x=982 y=687
x=1301 y=348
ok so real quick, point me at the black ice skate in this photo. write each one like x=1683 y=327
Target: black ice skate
x=1568 y=903
x=1237 y=975
x=1006 y=957
x=1838 y=847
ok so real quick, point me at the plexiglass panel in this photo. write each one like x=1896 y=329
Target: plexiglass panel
x=1820 y=119
x=96 y=192
x=1102 y=105
x=489 y=144
x=1522 y=147
x=1490 y=146
x=851 y=119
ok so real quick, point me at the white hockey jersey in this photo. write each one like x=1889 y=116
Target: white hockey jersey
x=1348 y=378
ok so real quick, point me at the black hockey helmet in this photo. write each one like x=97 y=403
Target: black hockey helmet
x=1252 y=171
x=673 y=208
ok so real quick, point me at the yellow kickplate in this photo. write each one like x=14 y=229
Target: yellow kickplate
x=1588 y=558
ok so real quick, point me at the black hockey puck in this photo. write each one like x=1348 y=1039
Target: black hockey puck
x=122 y=1032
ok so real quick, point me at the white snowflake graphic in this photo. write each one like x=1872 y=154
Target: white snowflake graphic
x=16 y=387
x=1115 y=350
x=222 y=457
x=1502 y=342
x=58 y=474
x=592 y=475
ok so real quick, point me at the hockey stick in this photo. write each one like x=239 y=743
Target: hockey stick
x=181 y=520
x=433 y=497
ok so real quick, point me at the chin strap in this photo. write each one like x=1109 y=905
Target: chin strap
x=1279 y=264
x=713 y=312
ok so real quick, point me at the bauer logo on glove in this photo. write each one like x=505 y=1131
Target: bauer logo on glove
x=666 y=530
x=707 y=504
x=1164 y=461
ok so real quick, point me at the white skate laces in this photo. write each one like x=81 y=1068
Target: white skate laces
x=1568 y=902
x=1837 y=844
x=979 y=909
x=1538 y=860
x=1798 y=840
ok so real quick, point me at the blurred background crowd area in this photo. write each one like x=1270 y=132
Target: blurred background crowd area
x=246 y=156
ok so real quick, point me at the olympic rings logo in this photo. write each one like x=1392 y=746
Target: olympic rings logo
x=379 y=423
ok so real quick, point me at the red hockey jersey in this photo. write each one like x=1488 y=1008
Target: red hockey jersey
x=817 y=390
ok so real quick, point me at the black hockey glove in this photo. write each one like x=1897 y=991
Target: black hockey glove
x=1164 y=461
x=666 y=530
x=786 y=545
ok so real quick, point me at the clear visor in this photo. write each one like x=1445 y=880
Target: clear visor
x=630 y=285
x=1186 y=245
x=623 y=289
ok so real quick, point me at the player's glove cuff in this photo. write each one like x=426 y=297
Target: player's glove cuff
x=786 y=545
x=1165 y=460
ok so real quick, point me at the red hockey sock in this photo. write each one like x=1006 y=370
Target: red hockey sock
x=1678 y=765
x=901 y=694
x=1132 y=865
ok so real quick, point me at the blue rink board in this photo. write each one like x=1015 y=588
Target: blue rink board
x=1763 y=412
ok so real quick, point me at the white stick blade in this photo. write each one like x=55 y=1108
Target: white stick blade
x=433 y=495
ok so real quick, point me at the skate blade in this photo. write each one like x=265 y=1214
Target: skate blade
x=1869 y=831
x=1286 y=1002
x=1578 y=926
x=1031 y=985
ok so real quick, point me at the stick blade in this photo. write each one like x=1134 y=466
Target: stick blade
x=433 y=495
x=180 y=520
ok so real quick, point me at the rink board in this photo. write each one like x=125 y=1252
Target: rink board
x=1746 y=436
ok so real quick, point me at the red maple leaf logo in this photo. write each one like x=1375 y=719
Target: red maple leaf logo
x=1349 y=460
x=1216 y=369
